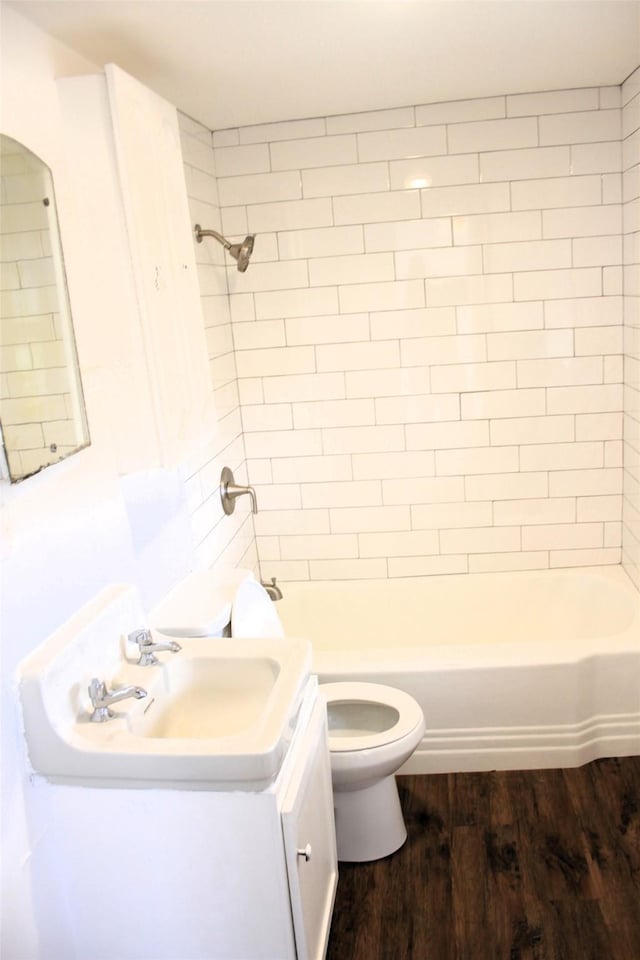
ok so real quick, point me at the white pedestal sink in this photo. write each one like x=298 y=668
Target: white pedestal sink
x=219 y=714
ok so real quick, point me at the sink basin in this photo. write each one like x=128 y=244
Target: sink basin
x=219 y=714
x=207 y=697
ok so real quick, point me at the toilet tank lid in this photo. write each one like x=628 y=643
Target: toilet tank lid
x=199 y=605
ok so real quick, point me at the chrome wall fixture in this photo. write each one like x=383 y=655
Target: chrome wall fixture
x=239 y=251
x=230 y=491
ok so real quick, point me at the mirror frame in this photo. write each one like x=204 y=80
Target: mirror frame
x=42 y=411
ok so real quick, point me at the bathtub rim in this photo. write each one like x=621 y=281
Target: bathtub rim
x=475 y=656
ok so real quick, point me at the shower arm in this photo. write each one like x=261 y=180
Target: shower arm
x=200 y=233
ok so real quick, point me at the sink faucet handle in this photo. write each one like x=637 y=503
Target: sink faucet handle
x=97 y=692
x=99 y=701
x=141 y=636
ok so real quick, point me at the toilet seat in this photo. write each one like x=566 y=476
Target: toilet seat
x=253 y=612
x=409 y=713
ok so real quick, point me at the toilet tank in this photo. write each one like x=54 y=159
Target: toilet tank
x=208 y=603
x=200 y=605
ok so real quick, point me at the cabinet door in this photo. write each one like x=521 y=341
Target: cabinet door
x=310 y=842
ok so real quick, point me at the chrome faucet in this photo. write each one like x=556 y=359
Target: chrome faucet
x=101 y=698
x=272 y=589
x=149 y=647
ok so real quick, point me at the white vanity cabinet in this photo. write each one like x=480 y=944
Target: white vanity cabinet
x=163 y=874
x=309 y=841
x=285 y=891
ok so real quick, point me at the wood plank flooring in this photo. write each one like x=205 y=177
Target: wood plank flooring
x=514 y=865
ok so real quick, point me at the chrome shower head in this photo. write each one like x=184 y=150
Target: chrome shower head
x=239 y=251
x=242 y=251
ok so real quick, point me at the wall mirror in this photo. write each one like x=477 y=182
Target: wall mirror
x=42 y=412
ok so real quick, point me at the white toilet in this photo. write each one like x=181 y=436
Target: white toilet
x=373 y=728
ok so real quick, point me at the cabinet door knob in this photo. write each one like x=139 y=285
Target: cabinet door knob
x=306 y=853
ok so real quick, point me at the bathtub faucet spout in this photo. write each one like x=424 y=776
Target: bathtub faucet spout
x=272 y=589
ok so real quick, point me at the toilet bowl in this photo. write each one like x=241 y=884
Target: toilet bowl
x=373 y=728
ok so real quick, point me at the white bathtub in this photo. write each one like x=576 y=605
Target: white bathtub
x=512 y=670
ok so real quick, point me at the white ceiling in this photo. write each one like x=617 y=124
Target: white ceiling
x=235 y=62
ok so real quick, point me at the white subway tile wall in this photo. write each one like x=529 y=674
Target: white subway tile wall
x=430 y=345
x=631 y=290
x=220 y=542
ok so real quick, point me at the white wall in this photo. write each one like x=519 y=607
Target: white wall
x=631 y=231
x=43 y=571
x=430 y=352
x=89 y=521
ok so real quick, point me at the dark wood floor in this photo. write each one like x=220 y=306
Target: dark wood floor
x=534 y=865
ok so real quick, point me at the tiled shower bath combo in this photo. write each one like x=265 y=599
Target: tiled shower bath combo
x=437 y=334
